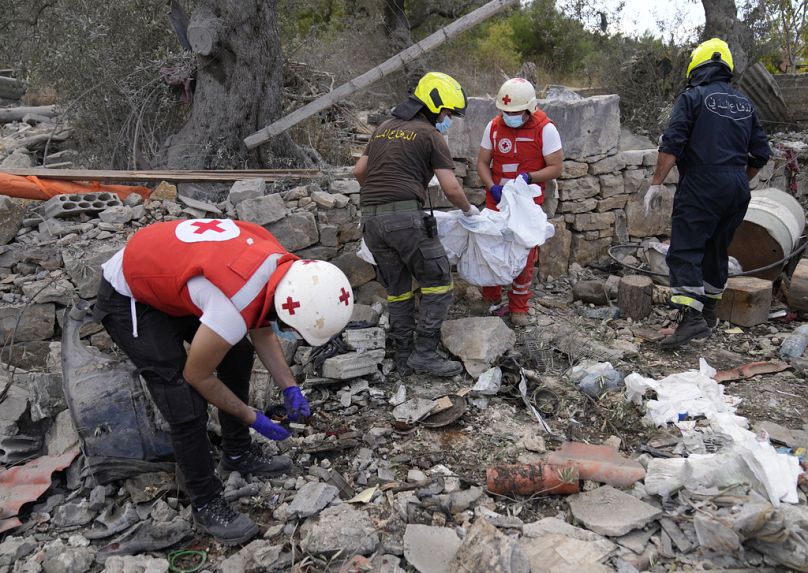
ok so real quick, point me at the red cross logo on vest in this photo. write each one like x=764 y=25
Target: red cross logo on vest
x=345 y=296
x=506 y=99
x=290 y=305
x=205 y=226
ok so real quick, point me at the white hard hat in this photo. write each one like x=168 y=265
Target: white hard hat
x=517 y=94
x=315 y=298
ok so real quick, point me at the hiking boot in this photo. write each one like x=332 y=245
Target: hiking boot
x=402 y=356
x=709 y=312
x=426 y=360
x=219 y=519
x=692 y=326
x=520 y=319
x=500 y=310
x=255 y=462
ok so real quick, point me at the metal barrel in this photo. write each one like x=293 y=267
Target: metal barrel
x=770 y=231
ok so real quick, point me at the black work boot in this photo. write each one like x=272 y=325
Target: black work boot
x=255 y=462
x=692 y=326
x=403 y=354
x=426 y=360
x=219 y=519
x=709 y=312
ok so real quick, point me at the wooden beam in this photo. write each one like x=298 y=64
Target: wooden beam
x=399 y=60
x=165 y=175
x=10 y=114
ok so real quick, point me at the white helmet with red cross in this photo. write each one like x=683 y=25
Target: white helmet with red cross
x=315 y=298
x=517 y=94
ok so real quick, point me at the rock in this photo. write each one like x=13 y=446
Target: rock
x=364 y=313
x=585 y=251
x=358 y=271
x=611 y=164
x=363 y=339
x=262 y=210
x=13 y=407
x=658 y=222
x=135 y=564
x=84 y=265
x=371 y=293
x=339 y=528
x=257 y=557
x=36 y=322
x=19 y=159
x=324 y=200
x=48 y=290
x=73 y=515
x=590 y=292
x=430 y=549
x=592 y=222
x=574 y=169
x=165 y=191
x=609 y=511
x=477 y=341
x=353 y=364
x=246 y=189
x=577 y=189
x=12 y=213
x=121 y=214
x=486 y=549
x=13 y=549
x=347 y=186
x=46 y=395
x=311 y=499
x=296 y=231
x=782 y=435
x=554 y=255
x=59 y=558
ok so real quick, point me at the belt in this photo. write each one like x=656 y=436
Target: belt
x=395 y=206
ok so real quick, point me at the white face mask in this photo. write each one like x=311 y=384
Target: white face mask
x=514 y=120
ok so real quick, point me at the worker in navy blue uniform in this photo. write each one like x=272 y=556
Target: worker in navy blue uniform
x=717 y=143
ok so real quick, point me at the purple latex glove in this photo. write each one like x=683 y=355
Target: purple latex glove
x=496 y=192
x=268 y=428
x=525 y=176
x=297 y=408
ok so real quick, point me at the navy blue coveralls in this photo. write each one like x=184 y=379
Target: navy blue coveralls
x=715 y=134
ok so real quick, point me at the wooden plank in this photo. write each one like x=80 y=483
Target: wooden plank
x=199 y=176
x=398 y=61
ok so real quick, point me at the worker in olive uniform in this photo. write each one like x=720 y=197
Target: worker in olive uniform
x=716 y=141
x=403 y=154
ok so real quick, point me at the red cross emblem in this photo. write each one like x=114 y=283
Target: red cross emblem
x=506 y=99
x=290 y=305
x=202 y=227
x=345 y=296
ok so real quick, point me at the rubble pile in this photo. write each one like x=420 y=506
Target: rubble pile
x=34 y=136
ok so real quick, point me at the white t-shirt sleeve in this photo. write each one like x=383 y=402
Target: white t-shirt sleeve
x=486 y=142
x=550 y=139
x=218 y=312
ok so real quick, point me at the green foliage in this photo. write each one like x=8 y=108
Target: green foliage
x=496 y=47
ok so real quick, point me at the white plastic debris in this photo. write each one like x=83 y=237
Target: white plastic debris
x=489 y=382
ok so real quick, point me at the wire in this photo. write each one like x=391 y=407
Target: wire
x=184 y=553
x=612 y=256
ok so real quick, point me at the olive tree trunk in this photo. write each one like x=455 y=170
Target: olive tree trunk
x=721 y=21
x=238 y=89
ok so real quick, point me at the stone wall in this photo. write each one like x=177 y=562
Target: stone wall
x=794 y=88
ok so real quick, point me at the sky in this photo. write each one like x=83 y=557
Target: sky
x=680 y=16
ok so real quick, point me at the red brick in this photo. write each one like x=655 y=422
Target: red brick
x=599 y=463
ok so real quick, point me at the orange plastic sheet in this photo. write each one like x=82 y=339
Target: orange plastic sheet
x=43 y=189
x=24 y=484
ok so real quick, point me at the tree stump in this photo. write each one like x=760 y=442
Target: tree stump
x=635 y=296
x=798 y=289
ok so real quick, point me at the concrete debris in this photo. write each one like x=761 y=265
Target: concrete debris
x=135 y=564
x=340 y=528
x=486 y=549
x=430 y=549
x=609 y=511
x=478 y=342
x=311 y=499
x=553 y=545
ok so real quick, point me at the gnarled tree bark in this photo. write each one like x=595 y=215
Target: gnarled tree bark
x=238 y=89
x=721 y=21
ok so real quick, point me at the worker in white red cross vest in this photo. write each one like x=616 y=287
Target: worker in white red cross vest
x=211 y=283
x=520 y=142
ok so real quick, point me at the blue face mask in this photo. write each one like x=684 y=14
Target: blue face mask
x=443 y=126
x=514 y=120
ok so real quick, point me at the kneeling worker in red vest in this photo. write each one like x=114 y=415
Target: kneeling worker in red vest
x=211 y=282
x=520 y=142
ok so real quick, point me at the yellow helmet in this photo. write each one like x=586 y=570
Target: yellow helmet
x=713 y=50
x=439 y=91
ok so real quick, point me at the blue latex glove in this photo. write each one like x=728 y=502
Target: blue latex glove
x=297 y=407
x=525 y=176
x=496 y=192
x=268 y=428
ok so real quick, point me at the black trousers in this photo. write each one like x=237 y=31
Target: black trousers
x=159 y=354
x=708 y=207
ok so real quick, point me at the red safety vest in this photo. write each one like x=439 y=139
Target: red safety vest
x=516 y=150
x=242 y=259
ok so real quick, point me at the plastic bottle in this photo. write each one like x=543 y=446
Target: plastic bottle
x=794 y=345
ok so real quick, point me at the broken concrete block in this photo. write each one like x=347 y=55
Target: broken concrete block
x=477 y=341
x=345 y=186
x=12 y=213
x=339 y=528
x=353 y=364
x=746 y=301
x=262 y=210
x=73 y=515
x=74 y=204
x=246 y=189
x=36 y=322
x=362 y=339
x=599 y=463
x=296 y=231
x=117 y=214
x=311 y=499
x=487 y=549
x=609 y=511
x=84 y=265
x=430 y=549
x=551 y=543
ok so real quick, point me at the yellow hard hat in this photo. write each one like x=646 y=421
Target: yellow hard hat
x=713 y=50
x=439 y=91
